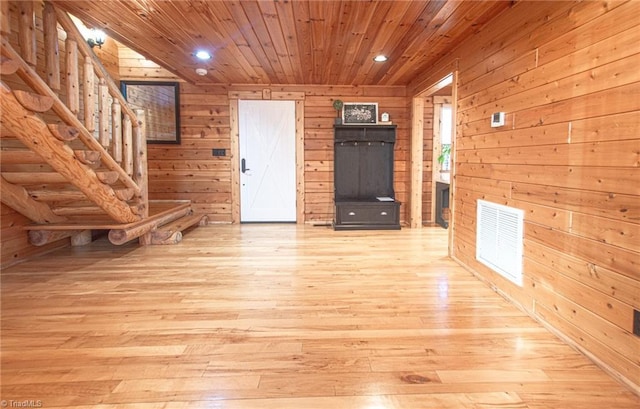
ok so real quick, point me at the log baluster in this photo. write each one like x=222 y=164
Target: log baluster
x=51 y=47
x=73 y=78
x=103 y=112
x=5 y=18
x=89 y=96
x=116 y=130
x=27 y=32
x=140 y=160
x=127 y=146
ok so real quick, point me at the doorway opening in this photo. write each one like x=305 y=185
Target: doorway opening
x=433 y=153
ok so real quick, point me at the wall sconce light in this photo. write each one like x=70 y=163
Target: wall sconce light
x=96 y=38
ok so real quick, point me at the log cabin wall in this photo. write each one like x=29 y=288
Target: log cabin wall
x=190 y=171
x=566 y=74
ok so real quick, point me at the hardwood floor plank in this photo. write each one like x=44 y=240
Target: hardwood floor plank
x=280 y=316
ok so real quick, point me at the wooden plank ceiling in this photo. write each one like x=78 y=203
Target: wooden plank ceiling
x=290 y=42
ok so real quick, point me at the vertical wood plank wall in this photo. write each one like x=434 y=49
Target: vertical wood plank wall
x=567 y=76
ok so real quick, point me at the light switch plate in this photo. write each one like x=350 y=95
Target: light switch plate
x=497 y=119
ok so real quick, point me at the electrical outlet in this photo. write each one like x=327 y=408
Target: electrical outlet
x=219 y=152
x=636 y=322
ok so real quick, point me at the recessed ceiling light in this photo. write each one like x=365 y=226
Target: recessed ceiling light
x=380 y=58
x=203 y=55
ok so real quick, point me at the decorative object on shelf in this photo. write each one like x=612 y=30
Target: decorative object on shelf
x=385 y=119
x=337 y=105
x=360 y=113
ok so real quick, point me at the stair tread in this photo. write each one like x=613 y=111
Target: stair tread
x=155 y=209
x=182 y=223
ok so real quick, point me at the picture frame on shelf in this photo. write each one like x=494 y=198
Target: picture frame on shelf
x=360 y=113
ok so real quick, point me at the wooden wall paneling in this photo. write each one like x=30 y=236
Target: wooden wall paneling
x=612 y=206
x=584 y=178
x=474 y=137
x=591 y=30
x=612 y=127
x=602 y=305
x=567 y=156
x=605 y=332
x=618 y=259
x=602 y=352
x=606 y=281
x=615 y=74
x=417 y=162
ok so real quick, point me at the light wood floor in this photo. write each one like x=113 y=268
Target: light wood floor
x=279 y=316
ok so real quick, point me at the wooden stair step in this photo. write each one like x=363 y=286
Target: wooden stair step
x=65 y=195
x=24 y=156
x=32 y=178
x=20 y=157
x=171 y=233
x=137 y=229
x=77 y=210
x=33 y=102
x=64 y=133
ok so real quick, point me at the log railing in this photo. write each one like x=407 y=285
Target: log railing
x=92 y=103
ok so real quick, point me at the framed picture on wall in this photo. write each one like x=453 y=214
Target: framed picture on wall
x=161 y=103
x=360 y=113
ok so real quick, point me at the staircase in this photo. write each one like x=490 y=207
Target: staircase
x=80 y=165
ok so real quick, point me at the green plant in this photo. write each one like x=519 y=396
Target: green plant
x=337 y=105
x=444 y=153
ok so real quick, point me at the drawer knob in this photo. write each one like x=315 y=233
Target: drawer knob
x=383 y=213
x=352 y=213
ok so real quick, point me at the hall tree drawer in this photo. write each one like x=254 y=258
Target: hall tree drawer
x=366 y=213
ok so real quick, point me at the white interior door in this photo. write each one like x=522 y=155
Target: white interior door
x=267 y=161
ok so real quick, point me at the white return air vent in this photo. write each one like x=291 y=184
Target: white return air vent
x=499 y=239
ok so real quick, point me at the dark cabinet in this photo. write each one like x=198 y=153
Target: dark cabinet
x=363 y=177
